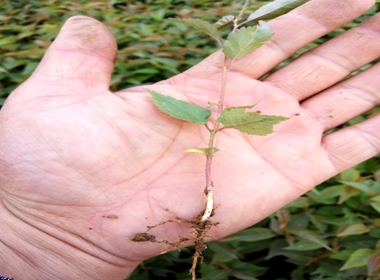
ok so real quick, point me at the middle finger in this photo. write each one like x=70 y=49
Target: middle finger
x=331 y=62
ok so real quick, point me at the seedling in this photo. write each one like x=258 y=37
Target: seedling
x=239 y=42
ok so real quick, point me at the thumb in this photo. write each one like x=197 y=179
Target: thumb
x=79 y=62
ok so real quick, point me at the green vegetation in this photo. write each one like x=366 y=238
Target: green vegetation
x=332 y=232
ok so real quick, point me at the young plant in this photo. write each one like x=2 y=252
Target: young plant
x=239 y=42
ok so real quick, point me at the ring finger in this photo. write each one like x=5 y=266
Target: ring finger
x=331 y=62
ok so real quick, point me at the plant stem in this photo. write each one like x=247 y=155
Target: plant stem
x=209 y=190
x=223 y=89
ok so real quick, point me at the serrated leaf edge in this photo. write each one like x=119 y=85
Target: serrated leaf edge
x=243 y=51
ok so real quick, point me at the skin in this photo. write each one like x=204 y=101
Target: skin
x=82 y=170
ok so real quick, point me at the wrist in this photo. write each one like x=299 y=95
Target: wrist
x=27 y=252
x=19 y=258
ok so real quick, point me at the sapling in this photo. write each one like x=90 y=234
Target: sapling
x=239 y=42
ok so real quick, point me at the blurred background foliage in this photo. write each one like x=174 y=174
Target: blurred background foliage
x=331 y=233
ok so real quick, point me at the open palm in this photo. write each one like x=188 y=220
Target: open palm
x=92 y=168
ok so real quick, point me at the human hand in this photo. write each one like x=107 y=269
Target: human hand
x=82 y=170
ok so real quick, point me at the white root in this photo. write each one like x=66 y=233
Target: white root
x=209 y=205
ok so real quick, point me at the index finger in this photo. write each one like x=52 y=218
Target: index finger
x=292 y=32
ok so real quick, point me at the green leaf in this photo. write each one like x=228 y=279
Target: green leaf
x=330 y=192
x=303 y=245
x=249 y=122
x=275 y=9
x=7 y=41
x=376 y=198
x=356 y=229
x=246 y=40
x=375 y=205
x=201 y=25
x=358 y=242
x=358 y=258
x=224 y=21
x=222 y=251
x=245 y=271
x=298 y=257
x=318 y=222
x=346 y=193
x=180 y=109
x=350 y=175
x=342 y=255
x=308 y=235
x=361 y=186
x=250 y=235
